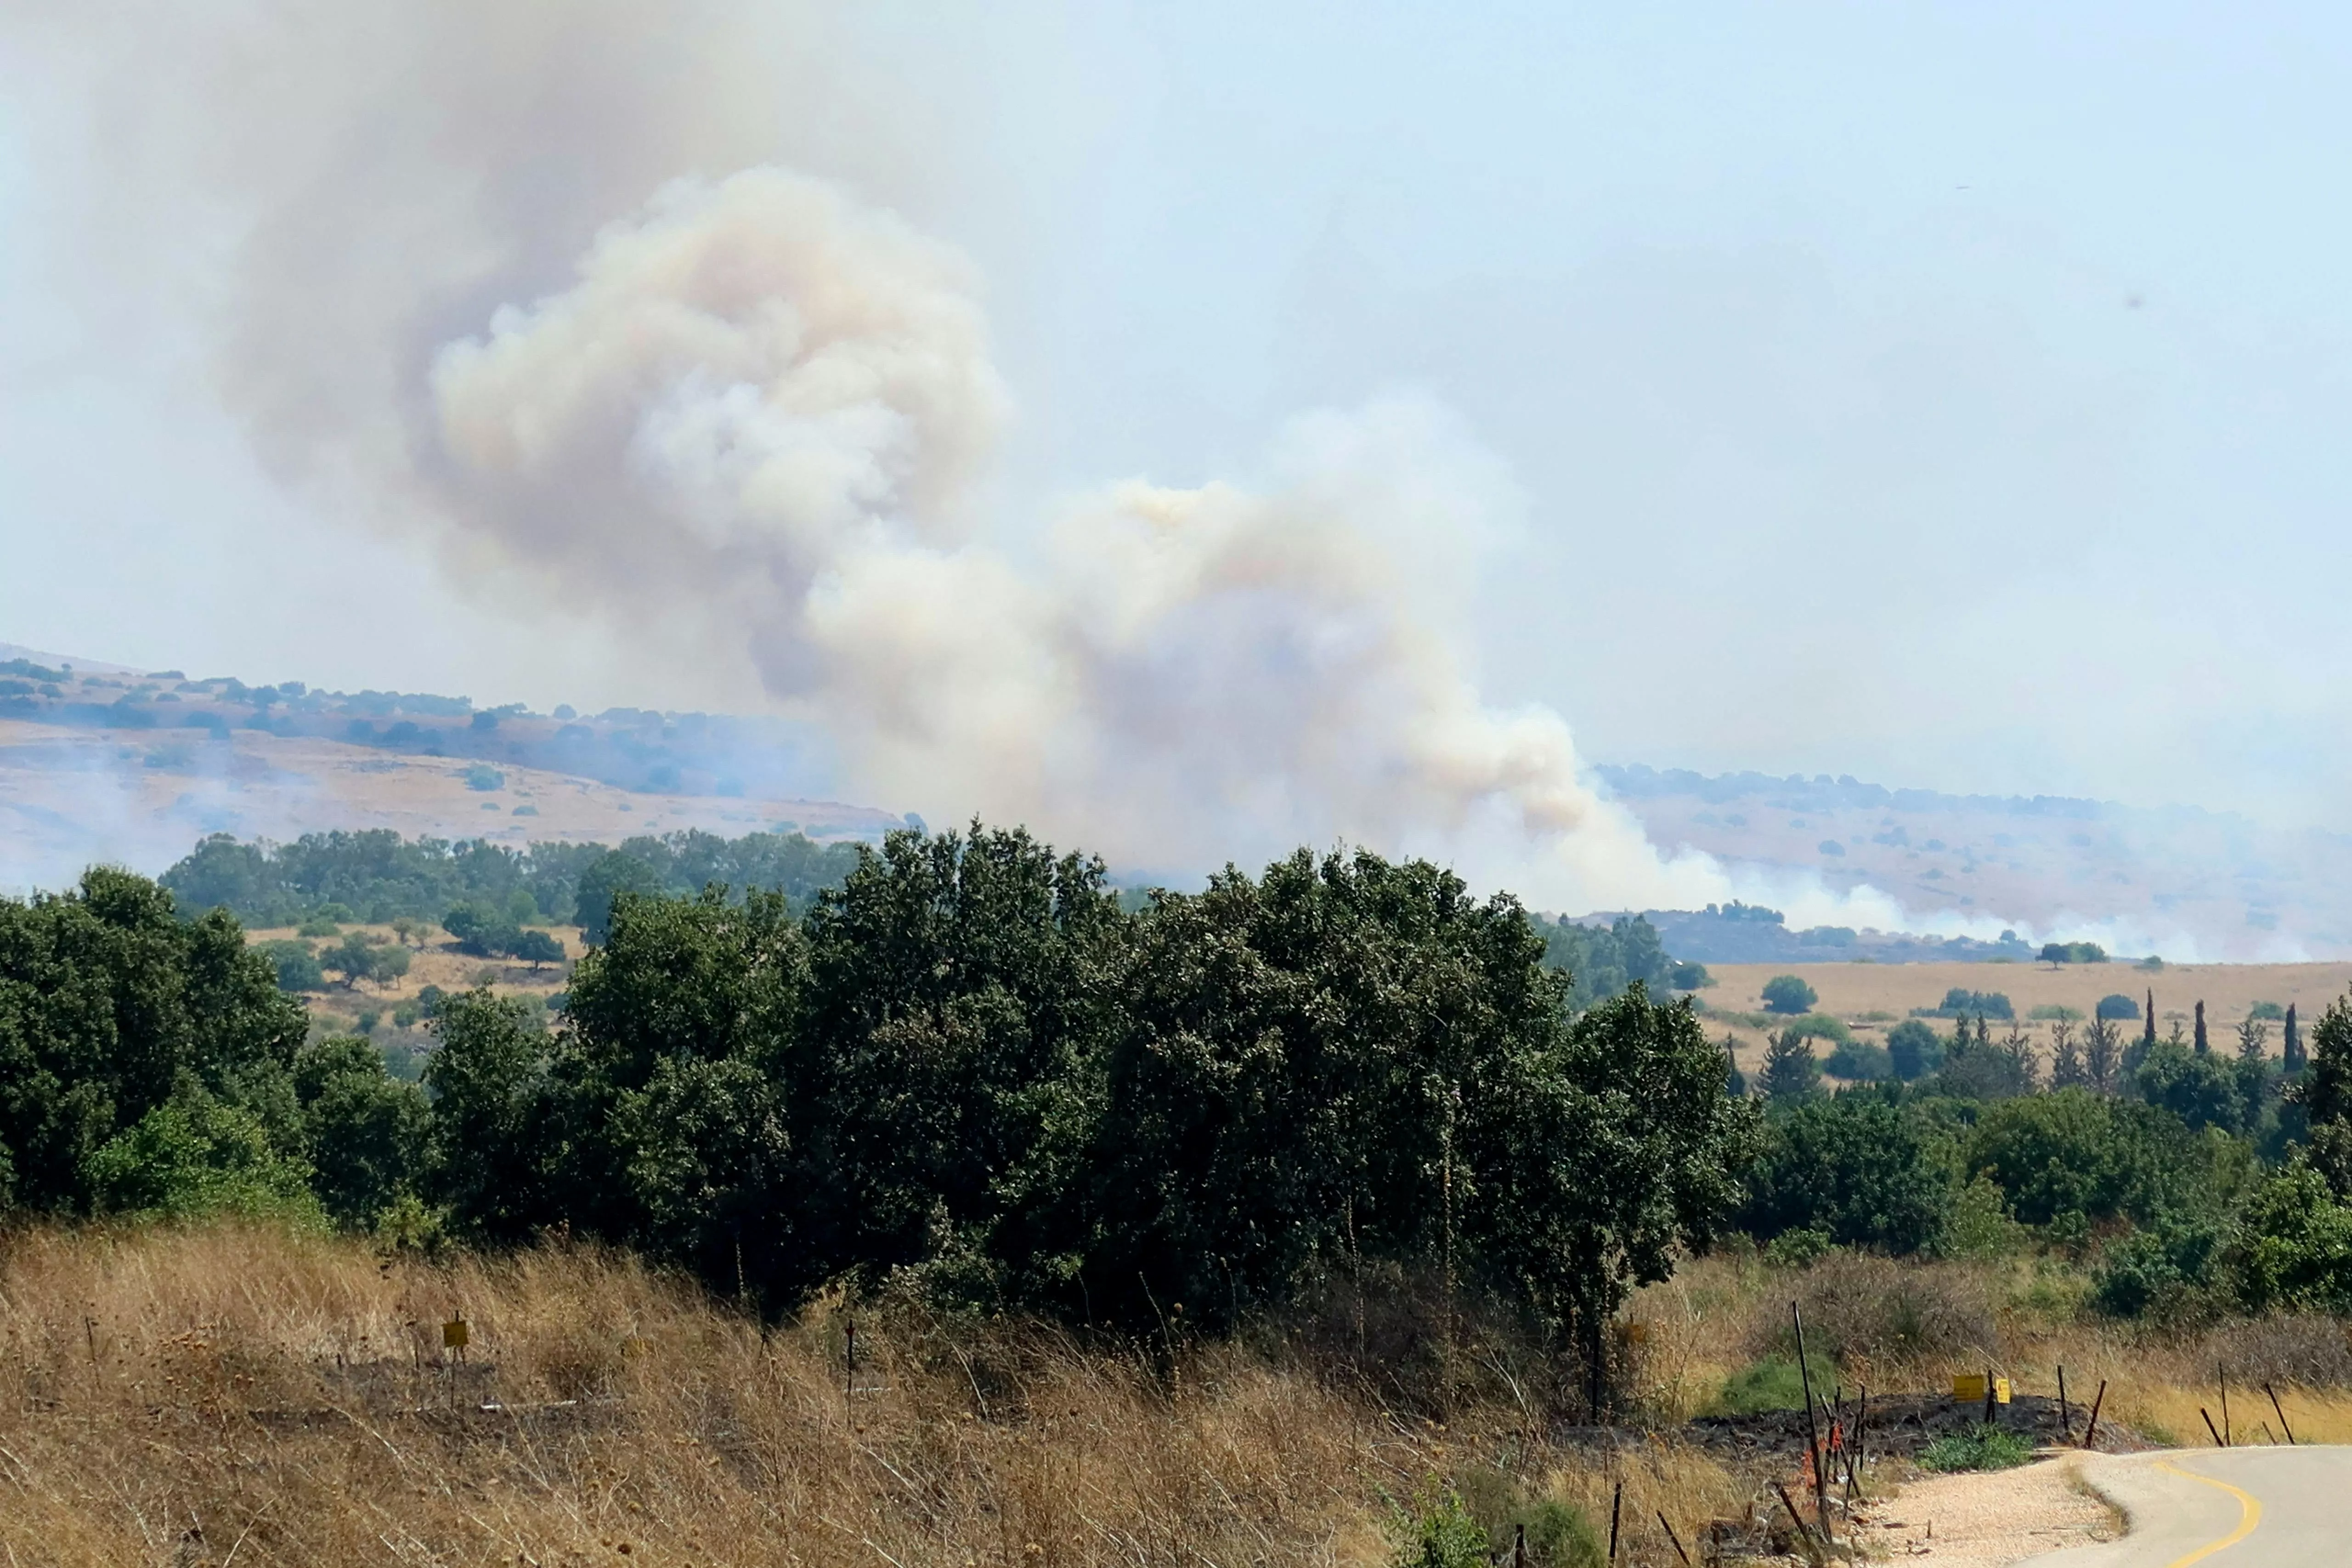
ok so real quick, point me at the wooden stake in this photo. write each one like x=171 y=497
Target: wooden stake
x=1519 y=1548
x=1671 y=1539
x=2222 y=1376
x=1813 y=1428
x=2066 y=1424
x=2282 y=1414
x=1616 y=1503
x=849 y=1329
x=1989 y=1392
x=2091 y=1433
x=1794 y=1517
x=2208 y=1428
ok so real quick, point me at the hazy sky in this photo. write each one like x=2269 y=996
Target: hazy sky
x=1947 y=395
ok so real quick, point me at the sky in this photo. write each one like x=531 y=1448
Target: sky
x=1950 y=395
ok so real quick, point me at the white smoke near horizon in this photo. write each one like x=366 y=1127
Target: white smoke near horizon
x=537 y=282
x=765 y=404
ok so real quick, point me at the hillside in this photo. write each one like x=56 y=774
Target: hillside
x=98 y=762
x=2176 y=879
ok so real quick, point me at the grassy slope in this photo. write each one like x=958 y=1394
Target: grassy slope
x=283 y=1394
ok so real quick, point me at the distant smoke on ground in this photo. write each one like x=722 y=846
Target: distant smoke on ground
x=535 y=280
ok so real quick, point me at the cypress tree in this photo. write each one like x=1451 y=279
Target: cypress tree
x=2203 y=1045
x=2150 y=1038
x=2292 y=1048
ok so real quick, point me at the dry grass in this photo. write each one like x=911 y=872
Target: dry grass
x=1911 y=1326
x=285 y=1397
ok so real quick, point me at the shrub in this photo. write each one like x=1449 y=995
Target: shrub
x=1689 y=976
x=196 y=1156
x=1435 y=1530
x=2073 y=953
x=1961 y=1002
x=1979 y=1448
x=1859 y=1061
x=1788 y=995
x=481 y=776
x=2269 y=1012
x=1868 y=1310
x=2116 y=1007
x=1558 y=1533
x=1914 y=1050
x=2155 y=1273
x=1773 y=1384
x=296 y=966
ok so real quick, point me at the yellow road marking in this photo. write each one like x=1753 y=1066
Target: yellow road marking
x=2250 y=1514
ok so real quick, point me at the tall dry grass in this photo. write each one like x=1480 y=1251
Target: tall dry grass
x=1910 y=1327
x=241 y=1395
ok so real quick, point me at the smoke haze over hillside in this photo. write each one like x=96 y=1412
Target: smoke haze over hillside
x=639 y=321
x=746 y=423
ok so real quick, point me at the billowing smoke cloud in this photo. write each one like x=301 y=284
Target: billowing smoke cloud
x=745 y=421
x=762 y=403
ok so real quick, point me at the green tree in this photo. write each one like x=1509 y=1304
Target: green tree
x=387 y=965
x=2292 y=1251
x=1914 y=1050
x=1790 y=1073
x=196 y=1156
x=489 y=1143
x=1788 y=993
x=609 y=878
x=537 y=947
x=365 y=1129
x=110 y=1006
x=2074 y=1152
x=1852 y=1167
x=353 y=958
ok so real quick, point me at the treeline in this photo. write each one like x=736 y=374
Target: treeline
x=377 y=876
x=1604 y=961
x=2190 y=1179
x=965 y=1068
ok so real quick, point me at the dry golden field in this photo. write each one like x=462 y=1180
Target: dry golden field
x=433 y=960
x=235 y=1394
x=1871 y=997
x=241 y=1395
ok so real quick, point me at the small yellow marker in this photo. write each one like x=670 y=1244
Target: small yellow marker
x=1967 y=1386
x=454 y=1336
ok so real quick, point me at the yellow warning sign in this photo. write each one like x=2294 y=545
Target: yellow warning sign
x=1971 y=1385
x=455 y=1337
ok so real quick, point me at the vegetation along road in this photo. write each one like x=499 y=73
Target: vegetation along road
x=2283 y=1508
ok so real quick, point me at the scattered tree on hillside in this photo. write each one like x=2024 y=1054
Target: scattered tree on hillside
x=2253 y=1040
x=1788 y=993
x=2117 y=1007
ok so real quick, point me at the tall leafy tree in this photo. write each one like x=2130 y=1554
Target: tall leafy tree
x=110 y=1006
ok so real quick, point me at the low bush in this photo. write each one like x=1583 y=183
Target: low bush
x=1772 y=1384
x=1859 y=1061
x=1979 y=1448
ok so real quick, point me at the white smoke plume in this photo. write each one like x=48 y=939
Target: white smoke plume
x=533 y=279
